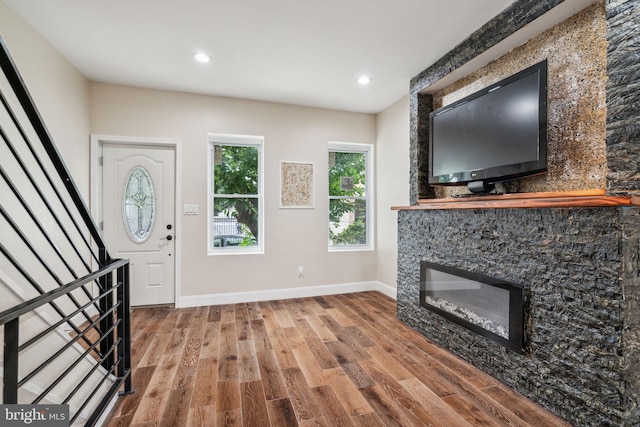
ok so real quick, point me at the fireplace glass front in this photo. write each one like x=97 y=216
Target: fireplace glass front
x=490 y=307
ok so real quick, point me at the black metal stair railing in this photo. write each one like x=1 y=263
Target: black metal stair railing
x=53 y=258
x=117 y=370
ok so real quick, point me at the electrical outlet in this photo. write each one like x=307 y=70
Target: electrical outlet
x=300 y=271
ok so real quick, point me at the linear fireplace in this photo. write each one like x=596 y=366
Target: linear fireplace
x=487 y=306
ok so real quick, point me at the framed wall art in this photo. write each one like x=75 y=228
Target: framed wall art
x=296 y=185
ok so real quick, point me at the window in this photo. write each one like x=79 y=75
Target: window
x=139 y=205
x=235 y=194
x=350 y=213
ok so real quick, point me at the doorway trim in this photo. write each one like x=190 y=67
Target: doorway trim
x=97 y=143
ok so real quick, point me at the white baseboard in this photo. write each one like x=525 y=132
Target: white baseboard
x=277 y=294
x=389 y=291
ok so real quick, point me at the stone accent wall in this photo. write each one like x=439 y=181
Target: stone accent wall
x=581 y=265
x=513 y=18
x=516 y=16
x=576 y=51
x=425 y=105
x=623 y=97
x=630 y=282
x=622 y=90
x=581 y=268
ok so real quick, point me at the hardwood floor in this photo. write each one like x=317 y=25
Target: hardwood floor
x=341 y=360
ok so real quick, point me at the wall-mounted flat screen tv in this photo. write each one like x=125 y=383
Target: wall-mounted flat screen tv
x=496 y=134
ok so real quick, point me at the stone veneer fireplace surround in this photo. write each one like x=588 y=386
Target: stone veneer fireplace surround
x=569 y=260
x=580 y=265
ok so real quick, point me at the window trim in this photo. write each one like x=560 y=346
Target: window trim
x=368 y=150
x=214 y=139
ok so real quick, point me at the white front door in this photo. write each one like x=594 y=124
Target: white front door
x=138 y=211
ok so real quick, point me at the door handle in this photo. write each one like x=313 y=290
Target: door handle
x=169 y=237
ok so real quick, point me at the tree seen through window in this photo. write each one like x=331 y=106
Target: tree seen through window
x=347 y=198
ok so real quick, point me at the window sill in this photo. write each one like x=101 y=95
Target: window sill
x=235 y=252
x=354 y=248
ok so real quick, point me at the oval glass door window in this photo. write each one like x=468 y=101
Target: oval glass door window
x=139 y=204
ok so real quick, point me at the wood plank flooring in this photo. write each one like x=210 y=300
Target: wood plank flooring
x=340 y=360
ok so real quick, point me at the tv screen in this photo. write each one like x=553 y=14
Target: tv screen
x=496 y=134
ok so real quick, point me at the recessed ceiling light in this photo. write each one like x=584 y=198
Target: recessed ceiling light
x=364 y=80
x=201 y=57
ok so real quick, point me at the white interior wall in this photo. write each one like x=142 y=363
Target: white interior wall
x=60 y=92
x=293 y=237
x=61 y=95
x=73 y=108
x=392 y=184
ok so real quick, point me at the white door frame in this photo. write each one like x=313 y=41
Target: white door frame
x=97 y=143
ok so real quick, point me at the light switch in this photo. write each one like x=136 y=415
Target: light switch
x=190 y=209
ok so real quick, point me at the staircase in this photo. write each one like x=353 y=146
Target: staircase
x=64 y=303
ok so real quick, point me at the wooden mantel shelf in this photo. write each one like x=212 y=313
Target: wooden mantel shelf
x=586 y=198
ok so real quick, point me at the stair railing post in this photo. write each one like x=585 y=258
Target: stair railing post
x=106 y=302
x=10 y=380
x=124 y=328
